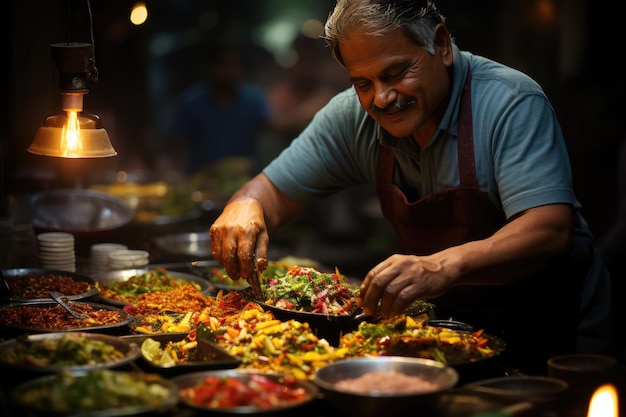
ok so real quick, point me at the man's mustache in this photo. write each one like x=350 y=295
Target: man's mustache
x=396 y=106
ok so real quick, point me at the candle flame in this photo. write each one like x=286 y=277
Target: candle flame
x=71 y=143
x=604 y=402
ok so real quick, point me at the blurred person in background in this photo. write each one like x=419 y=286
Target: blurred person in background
x=470 y=167
x=219 y=117
x=300 y=90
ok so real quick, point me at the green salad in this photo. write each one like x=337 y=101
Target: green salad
x=309 y=290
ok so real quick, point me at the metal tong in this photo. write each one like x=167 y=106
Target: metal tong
x=260 y=265
x=61 y=299
x=4 y=285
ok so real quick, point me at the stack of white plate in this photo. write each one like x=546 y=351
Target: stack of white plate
x=55 y=250
x=128 y=259
x=99 y=255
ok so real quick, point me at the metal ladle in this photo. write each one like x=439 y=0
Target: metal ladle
x=59 y=298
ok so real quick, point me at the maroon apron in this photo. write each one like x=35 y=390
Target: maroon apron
x=461 y=214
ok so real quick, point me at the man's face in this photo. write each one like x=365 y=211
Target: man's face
x=398 y=82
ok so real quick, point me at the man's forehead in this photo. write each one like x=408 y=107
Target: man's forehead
x=362 y=50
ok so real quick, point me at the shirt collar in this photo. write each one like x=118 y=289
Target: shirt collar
x=450 y=119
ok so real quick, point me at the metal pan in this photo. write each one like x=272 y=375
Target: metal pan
x=17 y=276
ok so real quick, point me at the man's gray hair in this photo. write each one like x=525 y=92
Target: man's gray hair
x=417 y=18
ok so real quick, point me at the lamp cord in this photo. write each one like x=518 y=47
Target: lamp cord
x=92 y=73
x=93 y=70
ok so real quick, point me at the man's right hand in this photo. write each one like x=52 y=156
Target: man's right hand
x=239 y=238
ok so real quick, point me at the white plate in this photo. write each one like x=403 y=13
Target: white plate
x=55 y=237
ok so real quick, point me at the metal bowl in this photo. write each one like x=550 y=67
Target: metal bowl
x=79 y=211
x=32 y=353
x=24 y=275
x=196 y=378
x=376 y=403
x=96 y=393
x=583 y=372
x=106 y=279
x=521 y=388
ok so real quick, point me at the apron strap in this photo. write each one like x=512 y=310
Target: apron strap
x=465 y=145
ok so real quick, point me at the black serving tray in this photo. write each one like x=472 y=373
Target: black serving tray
x=208 y=355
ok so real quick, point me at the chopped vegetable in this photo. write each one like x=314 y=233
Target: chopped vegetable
x=96 y=390
x=249 y=390
x=156 y=280
x=309 y=290
x=67 y=350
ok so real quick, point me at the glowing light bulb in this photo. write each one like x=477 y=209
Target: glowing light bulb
x=71 y=143
x=139 y=14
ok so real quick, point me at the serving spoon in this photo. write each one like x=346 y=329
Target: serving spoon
x=58 y=297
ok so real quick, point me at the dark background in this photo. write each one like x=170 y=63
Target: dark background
x=569 y=46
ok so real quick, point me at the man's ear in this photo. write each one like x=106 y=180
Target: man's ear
x=443 y=42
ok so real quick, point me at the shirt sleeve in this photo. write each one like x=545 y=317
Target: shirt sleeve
x=333 y=152
x=530 y=162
